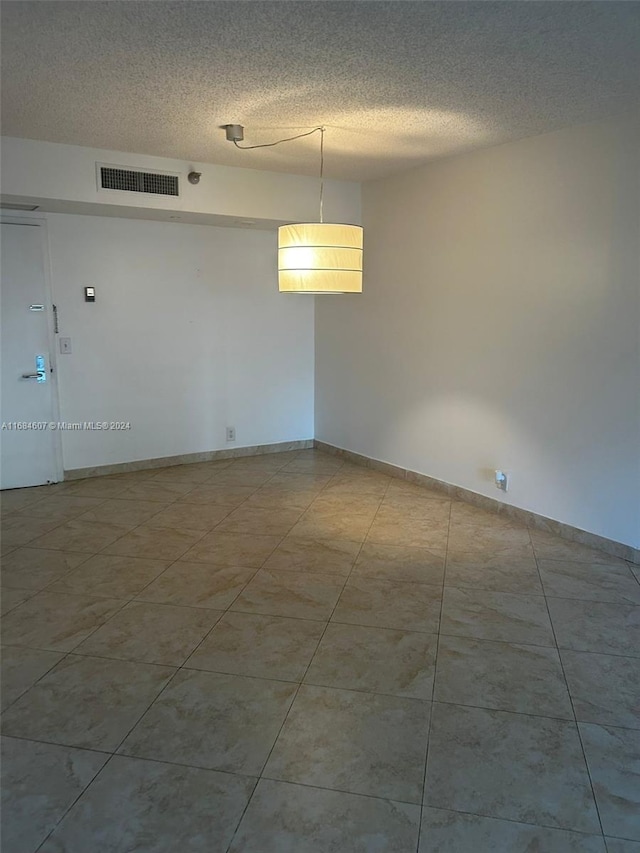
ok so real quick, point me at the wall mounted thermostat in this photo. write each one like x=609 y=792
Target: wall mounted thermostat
x=89 y=294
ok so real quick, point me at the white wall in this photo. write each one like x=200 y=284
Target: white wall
x=500 y=327
x=188 y=334
x=63 y=178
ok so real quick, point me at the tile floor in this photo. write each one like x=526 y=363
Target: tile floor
x=290 y=654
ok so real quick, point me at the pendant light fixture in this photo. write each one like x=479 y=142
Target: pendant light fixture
x=314 y=257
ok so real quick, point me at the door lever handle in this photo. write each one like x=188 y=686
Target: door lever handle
x=30 y=375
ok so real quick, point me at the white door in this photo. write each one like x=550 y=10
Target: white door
x=28 y=446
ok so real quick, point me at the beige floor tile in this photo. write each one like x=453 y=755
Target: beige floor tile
x=232 y=549
x=605 y=689
x=389 y=604
x=399 y=563
x=357 y=487
x=160 y=543
x=476 y=539
x=134 y=475
x=414 y=504
x=263 y=461
x=110 y=576
x=21 y=668
x=493 y=572
x=294 y=481
x=260 y=646
x=51 y=620
x=86 y=702
x=332 y=525
x=400 y=490
x=464 y=514
x=620 y=845
x=327 y=556
x=260 y=461
x=260 y=520
x=496 y=616
x=454 y=832
x=322 y=466
x=85 y=536
x=589 y=581
x=363 y=743
x=593 y=626
x=298 y=595
x=280 y=497
x=223 y=495
x=286 y=818
x=376 y=660
x=198 y=585
x=183 y=516
x=126 y=809
x=61 y=508
x=238 y=475
x=13 y=500
x=330 y=501
x=510 y=766
x=207 y=469
x=210 y=720
x=548 y=546
x=11 y=598
x=491 y=550
x=155 y=490
x=502 y=676
x=613 y=758
x=40 y=781
x=20 y=530
x=431 y=535
x=347 y=472
x=418 y=513
x=98 y=487
x=151 y=633
x=186 y=474
x=129 y=513
x=316 y=538
x=35 y=568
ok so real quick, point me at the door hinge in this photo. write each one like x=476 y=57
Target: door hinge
x=55 y=321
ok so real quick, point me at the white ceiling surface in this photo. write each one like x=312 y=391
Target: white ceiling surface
x=395 y=83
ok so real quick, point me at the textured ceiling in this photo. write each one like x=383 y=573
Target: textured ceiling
x=395 y=83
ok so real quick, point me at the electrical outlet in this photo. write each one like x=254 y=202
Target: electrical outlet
x=502 y=480
x=231 y=433
x=65 y=346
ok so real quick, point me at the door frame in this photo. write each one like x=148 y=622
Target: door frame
x=40 y=221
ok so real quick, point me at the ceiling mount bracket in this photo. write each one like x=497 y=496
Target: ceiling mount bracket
x=235 y=132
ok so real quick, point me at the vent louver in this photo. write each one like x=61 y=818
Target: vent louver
x=134 y=181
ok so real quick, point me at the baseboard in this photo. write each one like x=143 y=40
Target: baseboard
x=187 y=459
x=522 y=516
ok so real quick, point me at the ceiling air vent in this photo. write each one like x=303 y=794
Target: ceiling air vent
x=137 y=181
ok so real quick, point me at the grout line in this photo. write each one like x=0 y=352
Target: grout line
x=300 y=684
x=231 y=840
x=435 y=675
x=53 y=666
x=172 y=677
x=575 y=719
x=67 y=810
x=222 y=611
x=245 y=776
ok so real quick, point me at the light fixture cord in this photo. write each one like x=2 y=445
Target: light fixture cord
x=321 y=170
x=278 y=141
x=290 y=139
